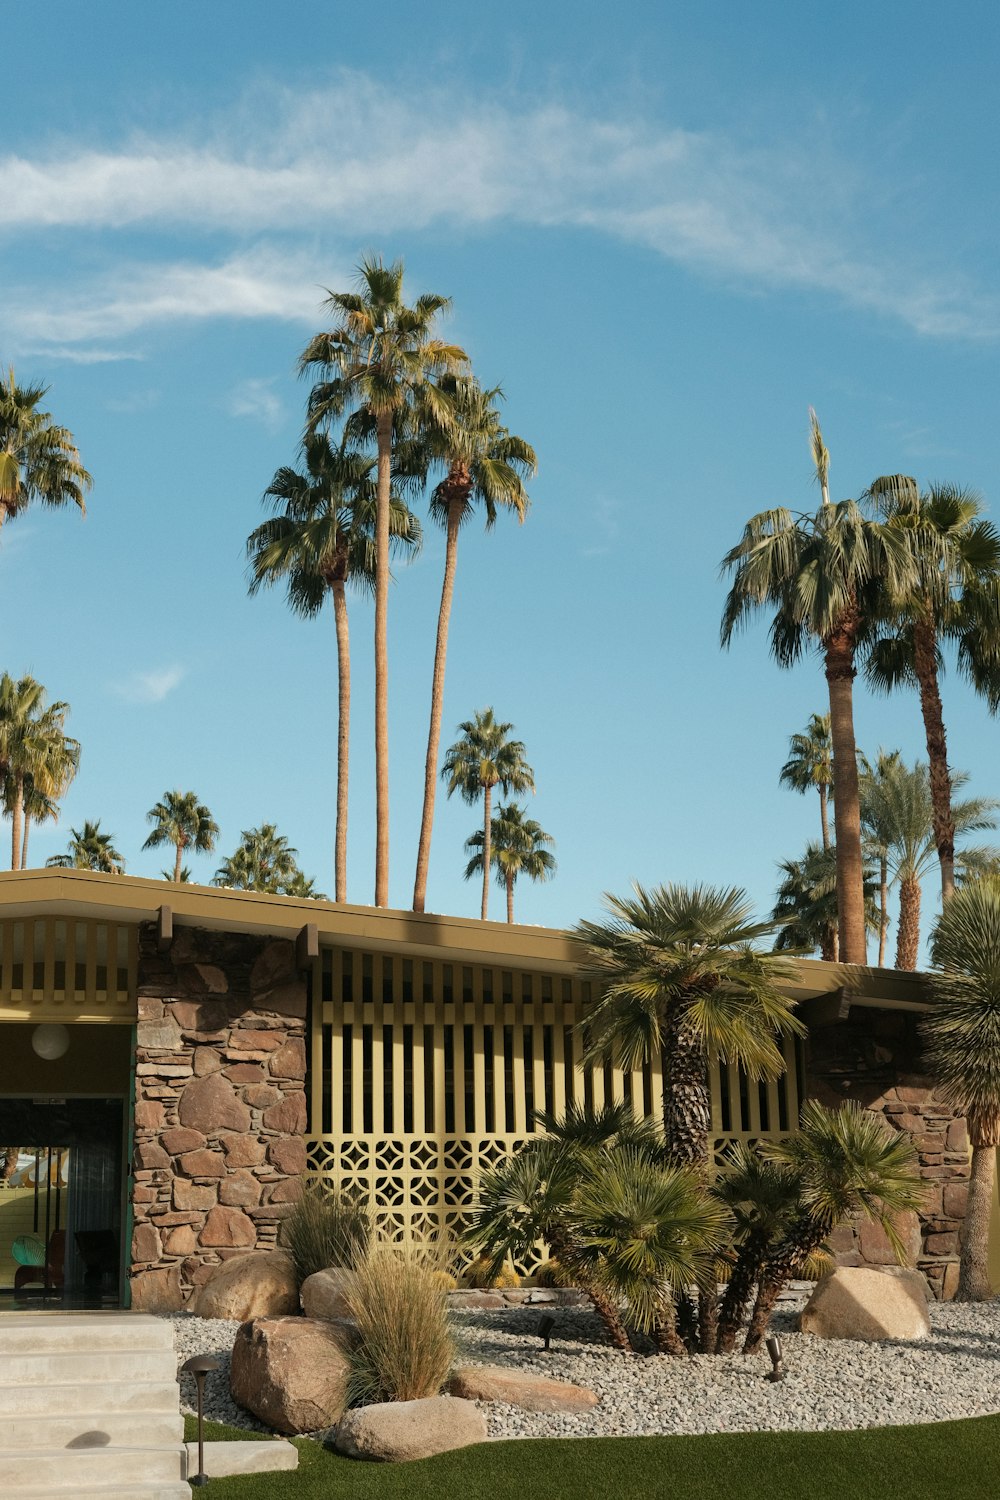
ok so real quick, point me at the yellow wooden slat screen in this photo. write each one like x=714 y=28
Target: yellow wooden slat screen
x=424 y=1074
x=52 y=965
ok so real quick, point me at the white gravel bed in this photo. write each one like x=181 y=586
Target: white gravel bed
x=830 y=1383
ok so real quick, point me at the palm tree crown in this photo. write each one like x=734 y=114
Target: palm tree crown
x=180 y=819
x=90 y=849
x=483 y=758
x=517 y=847
x=264 y=861
x=38 y=459
x=36 y=754
x=677 y=973
x=809 y=766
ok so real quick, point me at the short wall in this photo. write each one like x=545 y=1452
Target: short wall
x=874 y=1057
x=220 y=1105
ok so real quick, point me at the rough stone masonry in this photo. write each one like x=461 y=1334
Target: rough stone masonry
x=220 y=1107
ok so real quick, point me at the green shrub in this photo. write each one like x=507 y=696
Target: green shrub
x=404 y=1346
x=325 y=1229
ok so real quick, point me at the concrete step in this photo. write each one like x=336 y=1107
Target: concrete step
x=136 y=1397
x=88 y=1367
x=68 y=1333
x=62 y=1428
x=77 y=1469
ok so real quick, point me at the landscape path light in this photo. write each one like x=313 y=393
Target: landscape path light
x=777 y=1363
x=201 y=1366
x=546 y=1323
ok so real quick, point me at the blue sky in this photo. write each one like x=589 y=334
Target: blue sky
x=665 y=236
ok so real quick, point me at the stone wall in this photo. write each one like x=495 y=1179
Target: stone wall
x=220 y=1105
x=874 y=1057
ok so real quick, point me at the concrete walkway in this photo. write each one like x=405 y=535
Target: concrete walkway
x=89 y=1406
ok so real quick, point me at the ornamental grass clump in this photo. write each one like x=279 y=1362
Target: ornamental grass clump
x=404 y=1348
x=325 y=1229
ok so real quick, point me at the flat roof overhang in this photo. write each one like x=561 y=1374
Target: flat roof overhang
x=832 y=989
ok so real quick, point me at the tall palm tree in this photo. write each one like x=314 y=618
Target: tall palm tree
x=822 y=576
x=38 y=808
x=809 y=766
x=899 y=804
x=517 y=846
x=180 y=819
x=483 y=758
x=677 y=973
x=53 y=767
x=322 y=541
x=263 y=861
x=90 y=849
x=379 y=360
x=34 y=749
x=38 y=459
x=961 y=1034
x=954 y=596
x=485 y=465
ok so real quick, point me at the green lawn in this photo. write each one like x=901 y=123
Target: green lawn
x=955 y=1460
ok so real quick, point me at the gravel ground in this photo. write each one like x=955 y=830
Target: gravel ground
x=829 y=1383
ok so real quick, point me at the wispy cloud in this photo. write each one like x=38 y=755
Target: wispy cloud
x=258 y=400
x=81 y=356
x=360 y=160
x=150 y=687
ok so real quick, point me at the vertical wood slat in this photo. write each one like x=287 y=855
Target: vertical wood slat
x=517 y=1053
x=420 y=1122
x=437 y=996
x=398 y=1053
x=48 y=960
x=357 y=1048
x=111 y=967
x=458 y=1046
x=336 y=1121
x=316 y=1122
x=90 y=979
x=558 y=1104
x=735 y=1111
x=28 y=960
x=477 y=1125
x=537 y=1019
x=378 y=1058
x=499 y=1069
x=791 y=1077
x=7 y=957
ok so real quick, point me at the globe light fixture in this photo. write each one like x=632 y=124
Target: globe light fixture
x=50 y=1042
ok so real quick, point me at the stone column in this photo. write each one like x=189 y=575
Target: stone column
x=220 y=1107
x=874 y=1057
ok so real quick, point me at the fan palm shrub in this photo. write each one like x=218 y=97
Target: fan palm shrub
x=961 y=1034
x=844 y=1163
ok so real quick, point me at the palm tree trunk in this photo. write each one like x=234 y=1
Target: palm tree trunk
x=736 y=1297
x=828 y=944
x=908 y=939
x=767 y=1296
x=823 y=821
x=178 y=861
x=15 y=823
x=339 y=592
x=509 y=881
x=839 y=652
x=973 y=1271
x=665 y=1335
x=384 y=436
x=883 y=901
x=926 y=669
x=687 y=1100
x=437 y=705
x=487 y=849
x=24 y=842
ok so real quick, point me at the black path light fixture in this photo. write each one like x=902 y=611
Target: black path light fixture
x=546 y=1323
x=777 y=1362
x=201 y=1366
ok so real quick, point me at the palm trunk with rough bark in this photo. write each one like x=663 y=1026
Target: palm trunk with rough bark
x=339 y=592
x=926 y=669
x=24 y=841
x=973 y=1271
x=805 y=1235
x=839 y=652
x=384 y=437
x=455 y=508
x=665 y=1335
x=509 y=883
x=883 y=907
x=561 y=1250
x=487 y=846
x=908 y=937
x=823 y=820
x=828 y=944
x=178 y=861
x=16 y=815
x=687 y=1099
x=736 y=1298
